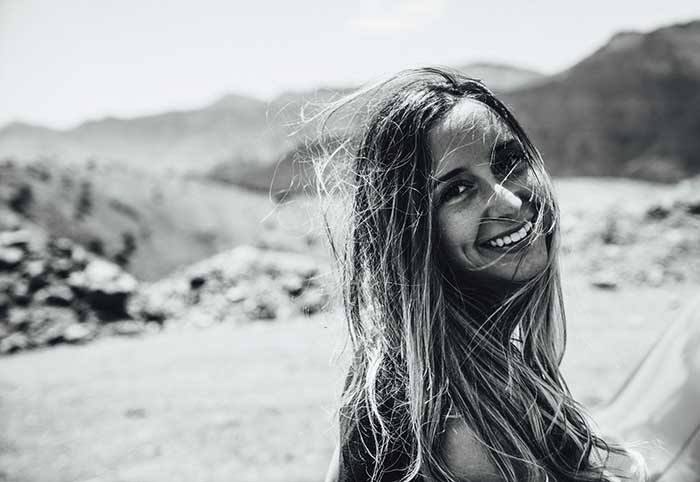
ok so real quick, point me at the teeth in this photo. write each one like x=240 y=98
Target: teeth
x=512 y=237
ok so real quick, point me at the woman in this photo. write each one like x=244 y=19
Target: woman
x=452 y=296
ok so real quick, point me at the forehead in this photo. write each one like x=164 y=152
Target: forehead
x=466 y=136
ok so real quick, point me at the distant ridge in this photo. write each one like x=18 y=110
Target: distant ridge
x=629 y=109
x=632 y=108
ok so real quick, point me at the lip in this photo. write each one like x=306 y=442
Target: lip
x=512 y=248
x=521 y=224
x=532 y=216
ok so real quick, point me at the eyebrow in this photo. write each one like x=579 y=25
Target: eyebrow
x=508 y=145
x=449 y=175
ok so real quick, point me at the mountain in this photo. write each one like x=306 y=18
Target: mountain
x=235 y=130
x=629 y=109
x=179 y=140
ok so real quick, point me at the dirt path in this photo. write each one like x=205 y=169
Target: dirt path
x=246 y=404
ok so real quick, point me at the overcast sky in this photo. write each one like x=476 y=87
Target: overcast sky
x=63 y=61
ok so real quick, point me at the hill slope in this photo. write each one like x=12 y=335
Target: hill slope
x=631 y=108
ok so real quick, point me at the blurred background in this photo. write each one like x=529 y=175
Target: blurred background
x=167 y=301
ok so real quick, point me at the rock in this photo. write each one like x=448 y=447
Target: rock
x=236 y=294
x=125 y=328
x=9 y=221
x=605 y=281
x=62 y=246
x=18 y=319
x=106 y=287
x=48 y=324
x=313 y=301
x=62 y=267
x=5 y=303
x=261 y=306
x=57 y=295
x=10 y=258
x=20 y=293
x=34 y=268
x=197 y=282
x=658 y=212
x=79 y=256
x=79 y=332
x=14 y=342
x=292 y=284
x=16 y=239
x=36 y=274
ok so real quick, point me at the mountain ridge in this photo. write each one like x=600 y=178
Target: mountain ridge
x=627 y=109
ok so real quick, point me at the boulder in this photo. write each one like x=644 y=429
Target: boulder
x=10 y=258
x=20 y=293
x=9 y=221
x=61 y=246
x=262 y=305
x=292 y=283
x=48 y=324
x=56 y=295
x=62 y=267
x=14 y=342
x=605 y=281
x=18 y=319
x=125 y=328
x=313 y=301
x=16 y=239
x=79 y=332
x=105 y=286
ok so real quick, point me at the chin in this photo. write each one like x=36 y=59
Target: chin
x=514 y=269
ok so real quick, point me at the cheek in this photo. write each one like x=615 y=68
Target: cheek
x=458 y=232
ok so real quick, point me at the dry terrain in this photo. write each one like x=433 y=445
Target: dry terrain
x=256 y=402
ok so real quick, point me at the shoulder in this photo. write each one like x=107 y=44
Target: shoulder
x=465 y=455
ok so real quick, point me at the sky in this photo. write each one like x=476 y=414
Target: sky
x=65 y=61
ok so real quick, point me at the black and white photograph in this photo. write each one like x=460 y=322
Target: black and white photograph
x=369 y=241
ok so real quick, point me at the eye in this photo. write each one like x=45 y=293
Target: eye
x=510 y=164
x=457 y=189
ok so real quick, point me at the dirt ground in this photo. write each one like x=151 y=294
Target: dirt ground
x=256 y=402
x=245 y=404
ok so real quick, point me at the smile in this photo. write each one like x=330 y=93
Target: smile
x=510 y=238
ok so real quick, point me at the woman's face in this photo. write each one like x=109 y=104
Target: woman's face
x=484 y=199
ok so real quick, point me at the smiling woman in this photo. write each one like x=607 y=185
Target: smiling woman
x=452 y=296
x=486 y=198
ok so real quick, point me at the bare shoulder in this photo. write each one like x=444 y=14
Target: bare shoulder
x=465 y=454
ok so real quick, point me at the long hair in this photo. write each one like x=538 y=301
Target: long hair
x=424 y=347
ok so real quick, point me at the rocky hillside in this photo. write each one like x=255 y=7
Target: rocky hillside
x=147 y=223
x=629 y=109
x=54 y=291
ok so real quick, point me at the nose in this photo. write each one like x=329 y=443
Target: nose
x=503 y=202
